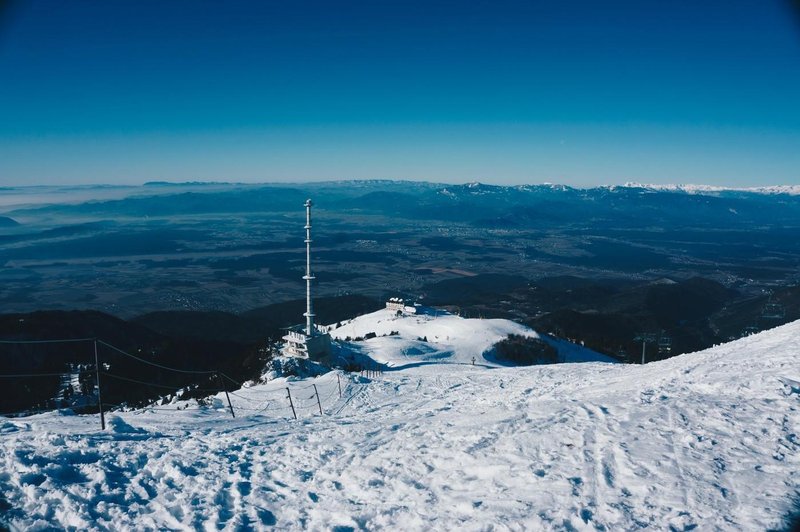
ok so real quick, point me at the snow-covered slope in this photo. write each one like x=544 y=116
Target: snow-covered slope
x=706 y=440
x=434 y=335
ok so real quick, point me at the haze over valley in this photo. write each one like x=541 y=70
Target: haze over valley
x=699 y=264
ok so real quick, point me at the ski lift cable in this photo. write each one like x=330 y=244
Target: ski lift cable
x=195 y=372
x=221 y=374
x=104 y=374
x=67 y=340
x=117 y=349
x=25 y=375
x=174 y=388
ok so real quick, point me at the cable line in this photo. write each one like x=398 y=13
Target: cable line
x=237 y=383
x=174 y=388
x=117 y=349
x=194 y=372
x=245 y=398
x=33 y=375
x=47 y=341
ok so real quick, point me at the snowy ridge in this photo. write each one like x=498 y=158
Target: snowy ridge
x=792 y=190
x=706 y=440
x=447 y=338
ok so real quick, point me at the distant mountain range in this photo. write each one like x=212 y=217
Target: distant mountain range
x=792 y=190
x=479 y=204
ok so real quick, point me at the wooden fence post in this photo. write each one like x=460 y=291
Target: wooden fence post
x=319 y=404
x=289 y=394
x=99 y=394
x=228 y=397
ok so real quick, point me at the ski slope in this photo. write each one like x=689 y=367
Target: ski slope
x=706 y=441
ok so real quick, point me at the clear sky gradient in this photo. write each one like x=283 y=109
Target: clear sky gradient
x=581 y=93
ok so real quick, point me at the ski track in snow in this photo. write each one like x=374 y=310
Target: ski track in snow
x=706 y=440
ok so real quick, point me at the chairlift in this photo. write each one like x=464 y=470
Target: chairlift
x=773 y=311
x=645 y=338
x=750 y=329
x=664 y=345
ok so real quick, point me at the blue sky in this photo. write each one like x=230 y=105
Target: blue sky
x=582 y=93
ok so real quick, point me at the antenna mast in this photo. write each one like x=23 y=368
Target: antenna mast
x=309 y=314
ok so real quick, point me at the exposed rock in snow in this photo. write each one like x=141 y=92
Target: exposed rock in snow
x=282 y=366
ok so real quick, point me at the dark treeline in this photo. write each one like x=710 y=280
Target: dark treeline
x=611 y=315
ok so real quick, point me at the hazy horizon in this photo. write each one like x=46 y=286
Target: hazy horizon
x=454 y=182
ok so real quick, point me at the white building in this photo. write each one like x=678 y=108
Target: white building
x=299 y=344
x=401 y=306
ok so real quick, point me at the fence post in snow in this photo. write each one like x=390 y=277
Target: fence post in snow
x=99 y=395
x=339 y=380
x=289 y=394
x=228 y=397
x=319 y=404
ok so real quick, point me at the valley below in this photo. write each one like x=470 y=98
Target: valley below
x=604 y=266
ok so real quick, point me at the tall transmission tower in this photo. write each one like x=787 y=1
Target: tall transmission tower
x=309 y=341
x=309 y=313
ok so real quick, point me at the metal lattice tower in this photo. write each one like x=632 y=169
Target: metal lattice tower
x=309 y=314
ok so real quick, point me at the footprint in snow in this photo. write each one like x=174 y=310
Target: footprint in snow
x=266 y=517
x=224 y=503
x=576 y=483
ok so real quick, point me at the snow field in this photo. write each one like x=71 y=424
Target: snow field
x=706 y=440
x=449 y=338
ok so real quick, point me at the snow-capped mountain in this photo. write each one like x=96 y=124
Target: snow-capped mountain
x=792 y=190
x=704 y=441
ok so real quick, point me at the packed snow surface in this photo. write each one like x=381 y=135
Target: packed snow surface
x=440 y=337
x=706 y=440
